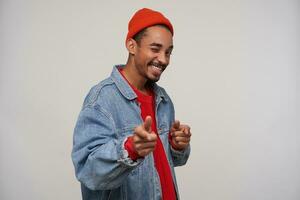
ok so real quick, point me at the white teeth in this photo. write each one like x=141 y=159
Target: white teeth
x=157 y=67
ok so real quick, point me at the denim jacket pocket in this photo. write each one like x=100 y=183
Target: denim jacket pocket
x=163 y=129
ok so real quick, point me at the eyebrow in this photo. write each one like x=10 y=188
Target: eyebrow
x=160 y=45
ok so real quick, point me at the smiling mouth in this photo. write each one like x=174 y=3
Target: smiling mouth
x=158 y=66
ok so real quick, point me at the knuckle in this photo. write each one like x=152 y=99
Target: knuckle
x=144 y=152
x=137 y=147
x=154 y=137
x=181 y=143
x=138 y=129
x=136 y=139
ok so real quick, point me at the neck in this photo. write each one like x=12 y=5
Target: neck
x=133 y=77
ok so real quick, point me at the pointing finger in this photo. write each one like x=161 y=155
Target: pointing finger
x=147 y=123
x=176 y=125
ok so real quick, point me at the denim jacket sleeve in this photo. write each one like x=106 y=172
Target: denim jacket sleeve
x=98 y=152
x=180 y=157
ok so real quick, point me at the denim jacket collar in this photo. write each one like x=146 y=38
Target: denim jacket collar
x=127 y=91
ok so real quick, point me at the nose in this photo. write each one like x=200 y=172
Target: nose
x=163 y=58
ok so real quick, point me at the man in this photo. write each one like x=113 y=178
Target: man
x=126 y=141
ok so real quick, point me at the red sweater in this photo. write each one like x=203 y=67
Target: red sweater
x=147 y=105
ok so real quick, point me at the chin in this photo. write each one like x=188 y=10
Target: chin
x=153 y=80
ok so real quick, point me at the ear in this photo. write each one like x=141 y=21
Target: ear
x=131 y=46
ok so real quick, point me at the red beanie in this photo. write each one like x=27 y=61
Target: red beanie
x=144 y=18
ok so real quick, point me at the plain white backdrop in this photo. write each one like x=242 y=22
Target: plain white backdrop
x=233 y=77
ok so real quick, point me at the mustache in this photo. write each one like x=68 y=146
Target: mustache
x=158 y=64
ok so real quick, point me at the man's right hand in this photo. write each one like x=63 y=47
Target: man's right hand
x=144 y=140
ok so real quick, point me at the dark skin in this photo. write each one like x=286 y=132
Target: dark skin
x=147 y=59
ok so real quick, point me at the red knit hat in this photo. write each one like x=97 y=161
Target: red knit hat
x=144 y=18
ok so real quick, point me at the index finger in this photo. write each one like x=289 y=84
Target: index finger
x=176 y=125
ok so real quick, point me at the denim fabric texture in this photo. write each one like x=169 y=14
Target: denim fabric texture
x=109 y=115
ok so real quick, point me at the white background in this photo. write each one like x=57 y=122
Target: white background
x=233 y=79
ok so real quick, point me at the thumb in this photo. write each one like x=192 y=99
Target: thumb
x=147 y=123
x=176 y=125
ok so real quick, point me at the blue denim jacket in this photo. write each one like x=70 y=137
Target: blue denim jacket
x=109 y=114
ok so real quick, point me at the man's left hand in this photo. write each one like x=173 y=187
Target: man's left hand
x=180 y=135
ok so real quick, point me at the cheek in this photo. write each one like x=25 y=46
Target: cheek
x=145 y=57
